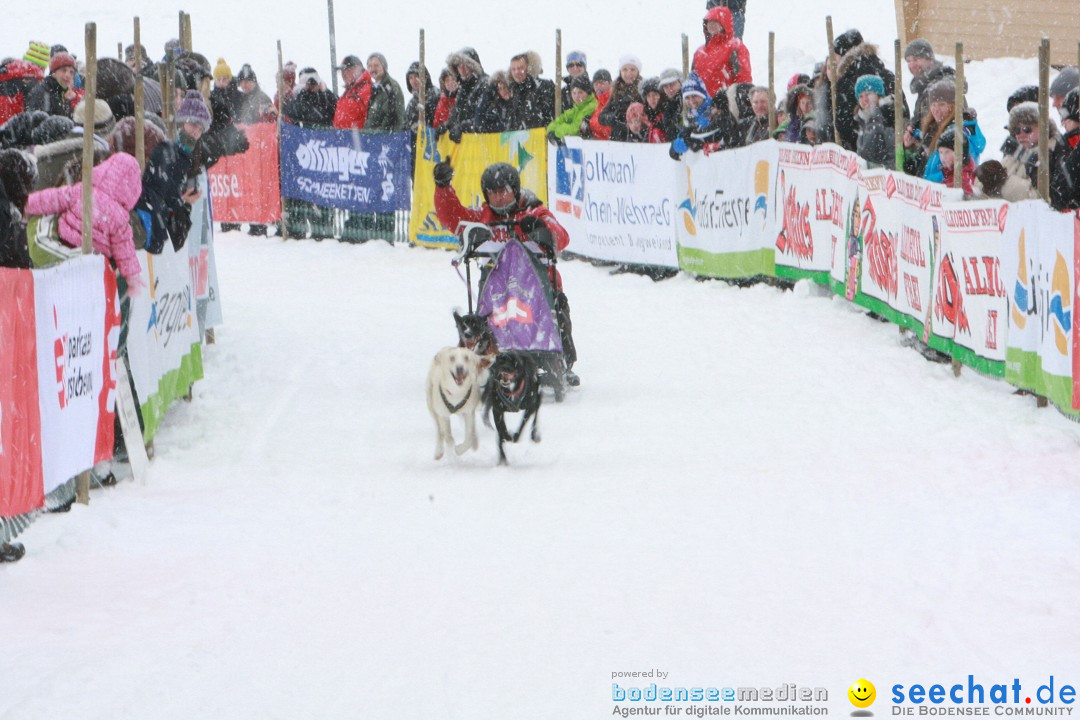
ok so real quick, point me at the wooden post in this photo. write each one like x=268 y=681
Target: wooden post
x=281 y=106
x=685 y=56
x=831 y=65
x=901 y=23
x=772 y=83
x=898 y=108
x=140 y=103
x=82 y=482
x=120 y=51
x=421 y=92
x=333 y=43
x=558 y=72
x=958 y=120
x=167 y=73
x=1044 y=119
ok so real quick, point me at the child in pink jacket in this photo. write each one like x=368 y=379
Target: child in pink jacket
x=117 y=187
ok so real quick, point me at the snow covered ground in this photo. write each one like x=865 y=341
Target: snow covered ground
x=750 y=487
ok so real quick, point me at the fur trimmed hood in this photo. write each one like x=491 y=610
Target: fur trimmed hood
x=533 y=62
x=856 y=56
x=465 y=56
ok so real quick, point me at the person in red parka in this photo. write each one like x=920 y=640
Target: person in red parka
x=723 y=60
x=511 y=212
x=17 y=79
x=352 y=107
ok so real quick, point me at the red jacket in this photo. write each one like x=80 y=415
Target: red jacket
x=352 y=108
x=17 y=77
x=599 y=130
x=452 y=213
x=723 y=60
x=442 y=110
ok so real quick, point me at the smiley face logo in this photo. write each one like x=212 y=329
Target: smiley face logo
x=862 y=693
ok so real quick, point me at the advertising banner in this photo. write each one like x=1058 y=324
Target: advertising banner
x=524 y=149
x=163 y=344
x=348 y=170
x=1038 y=260
x=78 y=325
x=21 y=487
x=723 y=224
x=200 y=248
x=615 y=201
x=815 y=193
x=891 y=247
x=247 y=187
x=969 y=312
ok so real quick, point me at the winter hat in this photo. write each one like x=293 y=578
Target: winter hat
x=576 y=56
x=288 y=71
x=920 y=48
x=122 y=106
x=635 y=112
x=307 y=75
x=61 y=60
x=669 y=76
x=1071 y=107
x=1067 y=79
x=246 y=73
x=18 y=172
x=694 y=86
x=992 y=175
x=798 y=79
x=943 y=90
x=650 y=85
x=582 y=82
x=601 y=75
x=948 y=140
x=173 y=48
x=1024 y=114
x=102 y=116
x=630 y=60
x=51 y=129
x=222 y=70
x=1027 y=93
x=114 y=78
x=869 y=82
x=193 y=110
x=122 y=138
x=846 y=41
x=350 y=61
x=38 y=54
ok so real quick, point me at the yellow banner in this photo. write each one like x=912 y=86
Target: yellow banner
x=524 y=149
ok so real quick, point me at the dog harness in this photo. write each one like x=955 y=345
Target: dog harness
x=511 y=398
x=454 y=408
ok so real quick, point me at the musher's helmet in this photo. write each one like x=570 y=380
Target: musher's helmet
x=498 y=176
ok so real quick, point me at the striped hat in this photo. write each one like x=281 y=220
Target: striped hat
x=38 y=54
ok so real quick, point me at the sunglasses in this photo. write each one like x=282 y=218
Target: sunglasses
x=1023 y=130
x=575 y=64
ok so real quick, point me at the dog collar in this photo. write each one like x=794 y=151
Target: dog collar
x=454 y=408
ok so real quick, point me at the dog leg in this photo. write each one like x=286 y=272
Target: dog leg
x=438 y=438
x=500 y=429
x=470 y=440
x=536 y=433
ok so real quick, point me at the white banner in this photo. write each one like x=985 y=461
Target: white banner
x=615 y=200
x=200 y=247
x=723 y=223
x=78 y=326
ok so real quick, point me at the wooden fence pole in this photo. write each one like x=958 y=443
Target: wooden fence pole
x=558 y=72
x=421 y=92
x=831 y=65
x=958 y=119
x=898 y=109
x=281 y=106
x=140 y=101
x=1044 y=119
x=772 y=83
x=82 y=481
x=333 y=43
x=685 y=56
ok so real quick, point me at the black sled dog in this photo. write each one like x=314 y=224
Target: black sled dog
x=475 y=334
x=513 y=386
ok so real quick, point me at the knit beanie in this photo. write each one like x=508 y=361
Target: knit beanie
x=630 y=60
x=601 y=75
x=51 y=129
x=920 y=48
x=798 y=79
x=38 y=54
x=943 y=90
x=948 y=140
x=869 y=82
x=992 y=175
x=61 y=60
x=1027 y=93
x=101 y=114
x=122 y=138
x=193 y=110
x=576 y=56
x=1071 y=106
x=846 y=41
x=694 y=86
x=246 y=73
x=1066 y=80
x=222 y=70
x=1024 y=114
x=669 y=76
x=650 y=85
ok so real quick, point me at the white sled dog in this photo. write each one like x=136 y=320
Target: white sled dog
x=454 y=387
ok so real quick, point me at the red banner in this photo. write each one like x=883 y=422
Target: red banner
x=247 y=187
x=21 y=484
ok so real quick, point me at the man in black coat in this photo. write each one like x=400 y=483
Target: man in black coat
x=855 y=59
x=55 y=94
x=472 y=83
x=926 y=70
x=532 y=104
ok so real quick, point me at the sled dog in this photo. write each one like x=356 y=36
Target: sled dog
x=454 y=388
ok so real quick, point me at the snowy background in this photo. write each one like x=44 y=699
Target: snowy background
x=750 y=487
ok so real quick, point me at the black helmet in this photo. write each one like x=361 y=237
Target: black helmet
x=501 y=175
x=1071 y=107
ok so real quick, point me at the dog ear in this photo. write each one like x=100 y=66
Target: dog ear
x=457 y=317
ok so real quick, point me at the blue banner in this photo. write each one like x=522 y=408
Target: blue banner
x=345 y=169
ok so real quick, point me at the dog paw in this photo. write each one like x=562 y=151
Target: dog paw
x=460 y=449
x=535 y=435
x=438 y=454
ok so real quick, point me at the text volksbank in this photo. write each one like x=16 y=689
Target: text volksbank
x=788 y=692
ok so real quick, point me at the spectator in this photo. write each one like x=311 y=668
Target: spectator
x=799 y=102
x=352 y=108
x=856 y=58
x=493 y=114
x=116 y=86
x=925 y=70
x=387 y=111
x=18 y=132
x=1070 y=171
x=1066 y=80
x=252 y=105
x=575 y=117
x=875 y=141
x=723 y=60
x=287 y=82
x=1022 y=165
x=738 y=13
x=144 y=65
x=671 y=89
x=313 y=107
x=627 y=90
x=946 y=159
x=448 y=87
x=755 y=127
x=808 y=133
x=17 y=79
x=17 y=174
x=56 y=95
x=920 y=143
x=663 y=127
x=601 y=81
x=710 y=125
x=52 y=157
x=412 y=111
x=533 y=99
x=472 y=84
x=575 y=65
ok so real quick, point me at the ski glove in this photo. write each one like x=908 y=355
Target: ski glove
x=443 y=173
x=678 y=148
